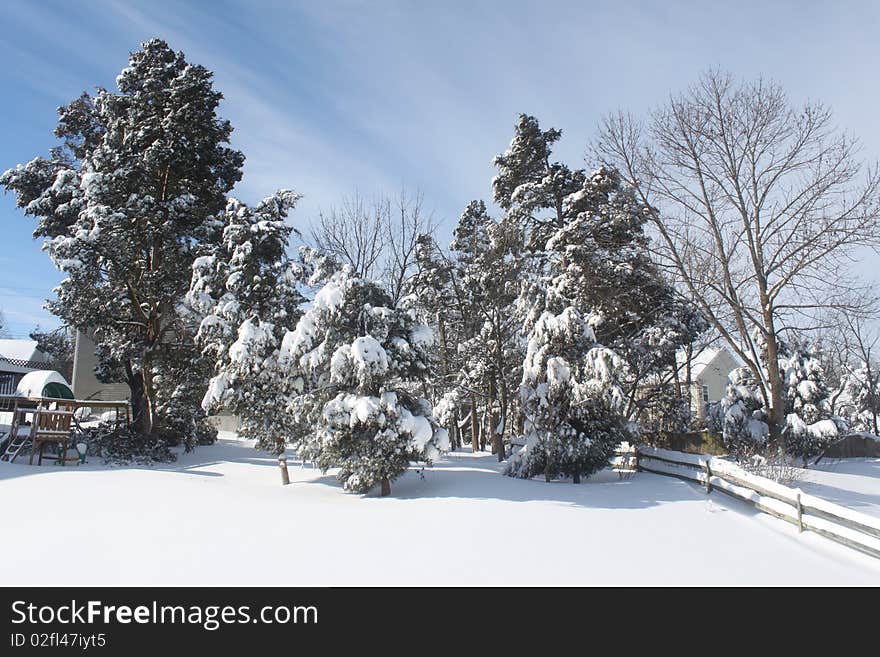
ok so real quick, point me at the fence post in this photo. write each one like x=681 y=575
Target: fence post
x=285 y=476
x=800 y=511
x=708 y=476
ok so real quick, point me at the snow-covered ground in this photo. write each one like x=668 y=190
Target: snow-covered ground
x=853 y=483
x=220 y=516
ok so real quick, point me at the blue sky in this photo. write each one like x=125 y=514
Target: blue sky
x=332 y=97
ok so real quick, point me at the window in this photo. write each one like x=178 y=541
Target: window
x=705 y=390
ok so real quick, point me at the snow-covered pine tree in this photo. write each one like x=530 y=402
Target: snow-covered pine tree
x=571 y=395
x=444 y=306
x=244 y=292
x=180 y=387
x=862 y=391
x=485 y=277
x=809 y=426
x=432 y=288
x=467 y=296
x=597 y=222
x=123 y=205
x=571 y=399
x=357 y=363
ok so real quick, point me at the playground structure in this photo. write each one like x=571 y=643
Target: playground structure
x=35 y=421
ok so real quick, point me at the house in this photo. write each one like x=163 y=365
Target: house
x=17 y=358
x=84 y=382
x=86 y=385
x=709 y=376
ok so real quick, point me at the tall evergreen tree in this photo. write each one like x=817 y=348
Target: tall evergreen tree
x=244 y=293
x=124 y=203
x=485 y=277
x=589 y=230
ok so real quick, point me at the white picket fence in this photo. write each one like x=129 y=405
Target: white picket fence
x=837 y=523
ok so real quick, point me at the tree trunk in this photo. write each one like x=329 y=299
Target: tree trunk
x=576 y=478
x=475 y=426
x=140 y=406
x=549 y=455
x=689 y=383
x=493 y=421
x=776 y=414
x=149 y=390
x=386 y=488
x=502 y=424
x=444 y=356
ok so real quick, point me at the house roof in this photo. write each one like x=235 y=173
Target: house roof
x=20 y=356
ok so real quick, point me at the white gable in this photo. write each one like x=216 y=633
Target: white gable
x=712 y=361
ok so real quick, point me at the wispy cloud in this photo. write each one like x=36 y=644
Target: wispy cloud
x=340 y=95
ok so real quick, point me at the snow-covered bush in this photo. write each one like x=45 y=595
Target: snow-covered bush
x=571 y=400
x=124 y=445
x=739 y=418
x=742 y=419
x=355 y=363
x=809 y=426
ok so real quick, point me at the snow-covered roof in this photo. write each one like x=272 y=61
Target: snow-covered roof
x=21 y=350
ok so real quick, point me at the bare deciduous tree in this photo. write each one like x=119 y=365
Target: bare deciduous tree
x=759 y=207
x=378 y=239
x=353 y=232
x=406 y=220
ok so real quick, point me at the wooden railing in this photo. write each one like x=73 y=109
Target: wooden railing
x=14 y=404
x=851 y=528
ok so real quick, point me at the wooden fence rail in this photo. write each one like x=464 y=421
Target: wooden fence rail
x=854 y=529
